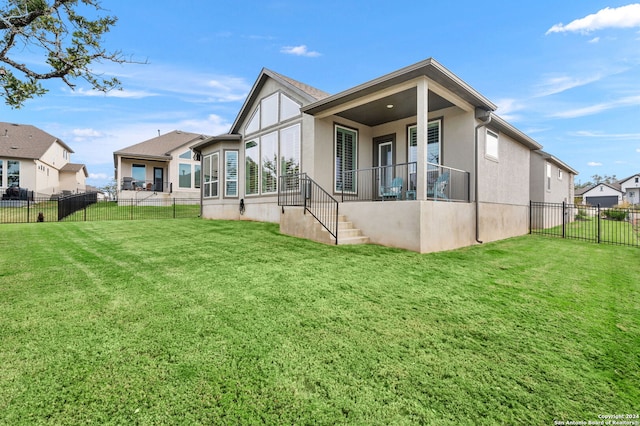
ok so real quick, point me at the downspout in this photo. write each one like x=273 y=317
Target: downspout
x=486 y=116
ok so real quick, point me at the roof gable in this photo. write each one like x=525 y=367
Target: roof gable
x=26 y=141
x=625 y=180
x=304 y=91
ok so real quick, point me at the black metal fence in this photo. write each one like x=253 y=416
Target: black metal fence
x=615 y=225
x=80 y=210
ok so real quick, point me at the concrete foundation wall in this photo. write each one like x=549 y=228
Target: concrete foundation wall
x=500 y=221
x=260 y=212
x=296 y=223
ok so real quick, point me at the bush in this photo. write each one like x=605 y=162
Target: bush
x=582 y=214
x=615 y=214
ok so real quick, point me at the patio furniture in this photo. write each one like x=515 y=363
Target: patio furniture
x=439 y=187
x=392 y=191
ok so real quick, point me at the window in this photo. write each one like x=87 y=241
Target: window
x=346 y=156
x=139 y=172
x=548 y=177
x=210 y=172
x=272 y=110
x=559 y=174
x=269 y=111
x=269 y=162
x=13 y=173
x=196 y=176
x=1 y=175
x=184 y=178
x=252 y=167
x=231 y=173
x=433 y=143
x=290 y=150
x=491 y=145
x=636 y=180
x=186 y=155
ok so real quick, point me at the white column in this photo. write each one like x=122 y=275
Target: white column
x=423 y=111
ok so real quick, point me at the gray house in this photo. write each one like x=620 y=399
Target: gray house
x=415 y=159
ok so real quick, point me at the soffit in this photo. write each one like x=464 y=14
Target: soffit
x=404 y=105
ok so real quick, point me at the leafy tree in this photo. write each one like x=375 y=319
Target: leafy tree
x=111 y=189
x=65 y=33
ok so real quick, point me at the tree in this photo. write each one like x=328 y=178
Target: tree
x=71 y=43
x=111 y=189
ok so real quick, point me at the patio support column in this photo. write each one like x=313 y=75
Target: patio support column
x=423 y=119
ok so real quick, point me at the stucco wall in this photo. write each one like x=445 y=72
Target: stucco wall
x=505 y=180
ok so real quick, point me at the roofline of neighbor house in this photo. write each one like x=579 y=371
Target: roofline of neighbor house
x=429 y=68
x=557 y=161
x=229 y=137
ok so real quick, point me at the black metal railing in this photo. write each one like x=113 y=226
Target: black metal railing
x=399 y=182
x=73 y=203
x=615 y=225
x=131 y=184
x=299 y=190
x=48 y=210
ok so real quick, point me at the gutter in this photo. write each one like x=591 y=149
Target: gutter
x=486 y=116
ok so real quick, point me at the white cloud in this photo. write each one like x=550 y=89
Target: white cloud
x=619 y=17
x=637 y=149
x=101 y=176
x=83 y=133
x=557 y=84
x=602 y=135
x=594 y=109
x=594 y=164
x=124 y=94
x=594 y=40
x=299 y=51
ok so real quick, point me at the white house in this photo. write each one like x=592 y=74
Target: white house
x=603 y=194
x=631 y=189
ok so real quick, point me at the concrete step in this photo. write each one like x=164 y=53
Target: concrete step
x=353 y=240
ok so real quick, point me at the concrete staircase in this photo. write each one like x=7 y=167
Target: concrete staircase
x=348 y=234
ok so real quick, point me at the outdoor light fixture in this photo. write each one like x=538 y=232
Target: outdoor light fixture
x=390 y=106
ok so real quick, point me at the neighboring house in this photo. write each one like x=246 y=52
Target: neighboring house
x=631 y=189
x=161 y=167
x=414 y=159
x=37 y=161
x=603 y=194
x=552 y=181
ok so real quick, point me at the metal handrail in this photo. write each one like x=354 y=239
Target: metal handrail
x=300 y=190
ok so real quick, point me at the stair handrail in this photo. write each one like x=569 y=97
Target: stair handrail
x=301 y=191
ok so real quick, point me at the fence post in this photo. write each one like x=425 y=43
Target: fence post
x=598 y=213
x=28 y=209
x=174 y=208
x=564 y=220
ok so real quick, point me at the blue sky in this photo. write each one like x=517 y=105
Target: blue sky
x=567 y=73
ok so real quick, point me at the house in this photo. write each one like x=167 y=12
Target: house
x=158 y=168
x=552 y=180
x=34 y=160
x=414 y=159
x=603 y=194
x=630 y=188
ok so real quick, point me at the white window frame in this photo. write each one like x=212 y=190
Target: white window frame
x=354 y=185
x=228 y=178
x=492 y=145
x=213 y=182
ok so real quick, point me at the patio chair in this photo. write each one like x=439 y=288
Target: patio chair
x=439 y=187
x=392 y=191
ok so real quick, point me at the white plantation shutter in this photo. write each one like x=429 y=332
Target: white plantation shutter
x=252 y=165
x=231 y=173
x=433 y=142
x=269 y=158
x=346 y=159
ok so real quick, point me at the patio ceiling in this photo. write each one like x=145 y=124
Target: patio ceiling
x=404 y=105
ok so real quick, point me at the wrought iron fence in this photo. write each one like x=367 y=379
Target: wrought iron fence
x=48 y=210
x=299 y=190
x=615 y=225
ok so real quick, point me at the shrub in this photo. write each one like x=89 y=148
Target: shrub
x=615 y=214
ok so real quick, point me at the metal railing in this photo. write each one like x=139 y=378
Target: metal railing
x=130 y=184
x=615 y=225
x=299 y=190
x=72 y=203
x=47 y=210
x=399 y=182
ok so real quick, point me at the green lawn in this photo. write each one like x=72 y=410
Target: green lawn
x=215 y=322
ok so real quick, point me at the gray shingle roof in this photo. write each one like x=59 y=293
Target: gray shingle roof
x=161 y=146
x=25 y=141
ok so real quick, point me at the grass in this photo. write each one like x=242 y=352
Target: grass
x=215 y=322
